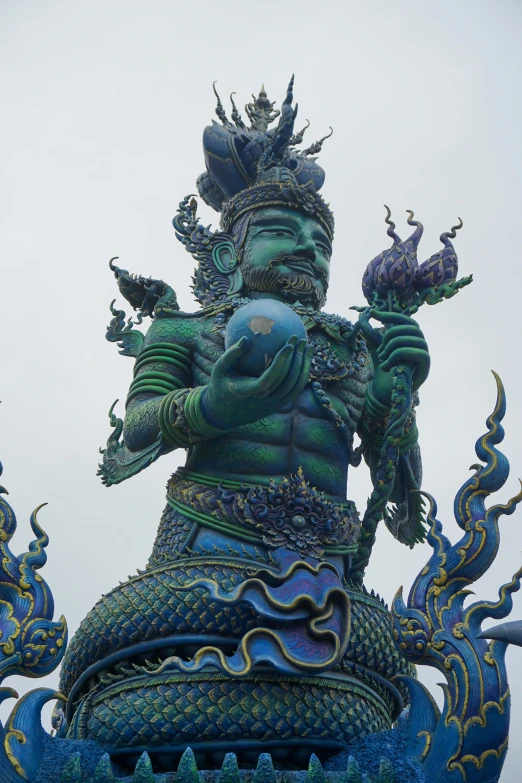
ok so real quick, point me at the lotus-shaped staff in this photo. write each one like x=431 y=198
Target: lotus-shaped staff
x=395 y=269
x=393 y=282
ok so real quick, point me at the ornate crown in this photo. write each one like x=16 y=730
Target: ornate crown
x=247 y=169
x=250 y=168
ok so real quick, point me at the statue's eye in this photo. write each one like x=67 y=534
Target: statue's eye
x=277 y=232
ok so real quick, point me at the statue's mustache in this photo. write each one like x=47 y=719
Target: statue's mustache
x=300 y=264
x=299 y=280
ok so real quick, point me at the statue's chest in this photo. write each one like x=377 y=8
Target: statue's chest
x=209 y=346
x=337 y=368
x=339 y=375
x=334 y=362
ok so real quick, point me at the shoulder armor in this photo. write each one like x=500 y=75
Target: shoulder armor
x=151 y=297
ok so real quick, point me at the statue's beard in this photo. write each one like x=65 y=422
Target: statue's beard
x=292 y=285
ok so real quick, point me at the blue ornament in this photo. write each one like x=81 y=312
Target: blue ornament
x=268 y=324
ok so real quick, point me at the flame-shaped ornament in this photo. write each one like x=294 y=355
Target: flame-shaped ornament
x=31 y=644
x=394 y=270
x=442 y=267
x=468 y=741
x=393 y=280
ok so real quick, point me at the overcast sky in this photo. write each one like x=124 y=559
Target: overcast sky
x=103 y=106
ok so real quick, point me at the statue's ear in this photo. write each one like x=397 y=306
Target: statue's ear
x=224 y=256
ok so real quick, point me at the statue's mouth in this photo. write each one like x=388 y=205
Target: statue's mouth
x=302 y=266
x=295 y=276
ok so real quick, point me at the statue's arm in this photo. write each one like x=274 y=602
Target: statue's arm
x=164 y=403
x=165 y=411
x=162 y=372
x=402 y=344
x=162 y=375
x=405 y=517
x=409 y=473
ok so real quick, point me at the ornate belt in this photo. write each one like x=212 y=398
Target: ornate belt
x=290 y=513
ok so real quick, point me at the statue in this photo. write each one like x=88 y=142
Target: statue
x=250 y=630
x=265 y=392
x=302 y=411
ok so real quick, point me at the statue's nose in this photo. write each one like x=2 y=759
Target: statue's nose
x=305 y=246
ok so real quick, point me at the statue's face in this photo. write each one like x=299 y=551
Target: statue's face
x=288 y=254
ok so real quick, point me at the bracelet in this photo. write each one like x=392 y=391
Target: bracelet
x=168 y=412
x=157 y=382
x=374 y=438
x=376 y=410
x=194 y=415
x=373 y=425
x=164 y=353
x=410 y=438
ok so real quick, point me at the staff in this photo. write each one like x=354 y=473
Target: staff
x=395 y=286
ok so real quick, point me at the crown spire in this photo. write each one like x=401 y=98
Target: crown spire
x=280 y=141
x=220 y=111
x=236 y=117
x=297 y=138
x=251 y=166
x=318 y=145
x=261 y=112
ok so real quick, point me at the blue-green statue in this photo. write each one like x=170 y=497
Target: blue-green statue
x=250 y=630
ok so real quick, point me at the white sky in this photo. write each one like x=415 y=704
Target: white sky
x=104 y=104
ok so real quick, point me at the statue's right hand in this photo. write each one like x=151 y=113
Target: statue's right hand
x=232 y=399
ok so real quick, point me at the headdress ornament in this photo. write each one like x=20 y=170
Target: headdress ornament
x=247 y=168
x=256 y=167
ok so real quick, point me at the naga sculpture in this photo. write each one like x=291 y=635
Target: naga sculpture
x=250 y=630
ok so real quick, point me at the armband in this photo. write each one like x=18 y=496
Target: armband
x=151 y=380
x=194 y=415
x=168 y=419
x=181 y=420
x=375 y=409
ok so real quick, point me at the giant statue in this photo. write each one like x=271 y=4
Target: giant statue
x=250 y=630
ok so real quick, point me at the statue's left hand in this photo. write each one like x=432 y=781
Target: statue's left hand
x=402 y=343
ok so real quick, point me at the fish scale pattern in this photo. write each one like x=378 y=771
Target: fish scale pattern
x=155 y=713
x=148 y=607
x=172 y=532
x=371 y=644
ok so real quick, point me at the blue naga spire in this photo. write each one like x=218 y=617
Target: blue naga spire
x=468 y=740
x=31 y=644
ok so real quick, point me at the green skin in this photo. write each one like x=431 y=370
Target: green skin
x=275 y=423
